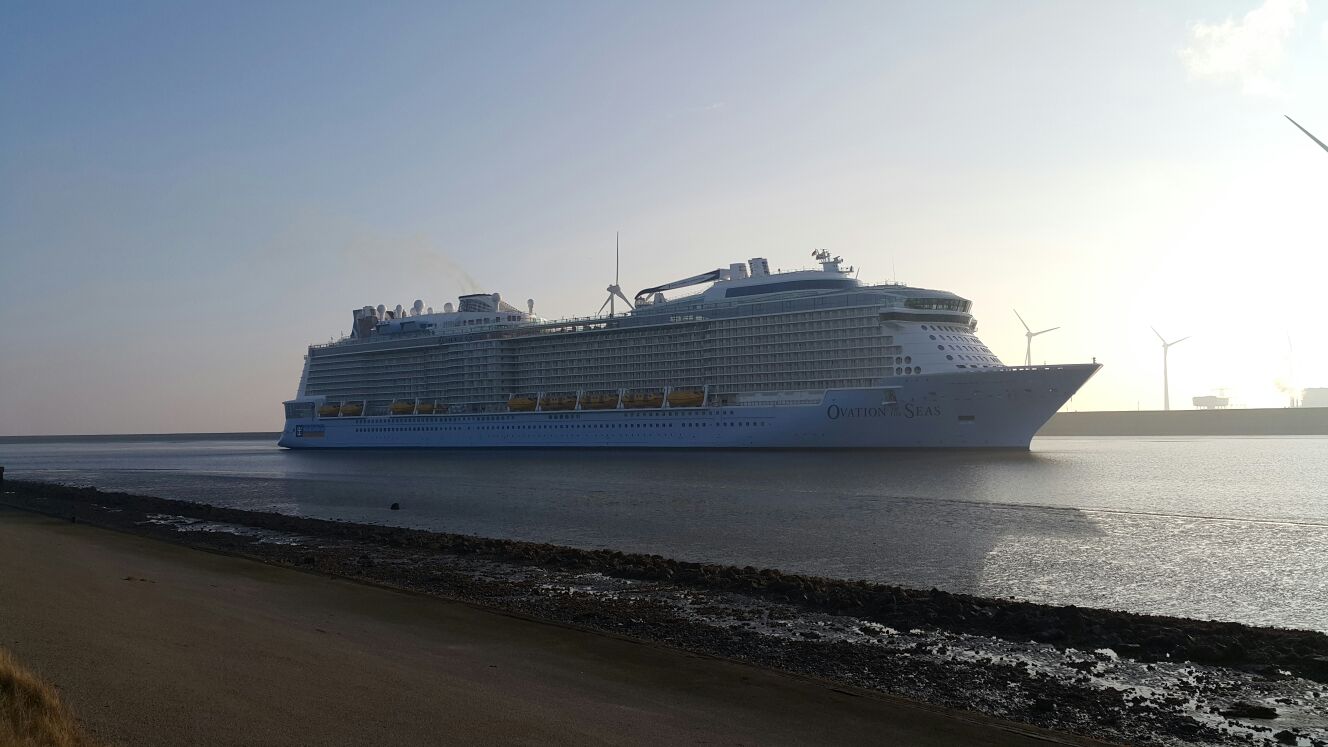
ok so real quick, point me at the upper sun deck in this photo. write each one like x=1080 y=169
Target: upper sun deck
x=732 y=291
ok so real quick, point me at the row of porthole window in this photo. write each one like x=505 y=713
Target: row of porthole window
x=955 y=338
x=983 y=348
x=580 y=425
x=989 y=359
x=907 y=370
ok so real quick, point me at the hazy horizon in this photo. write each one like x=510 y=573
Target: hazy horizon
x=189 y=196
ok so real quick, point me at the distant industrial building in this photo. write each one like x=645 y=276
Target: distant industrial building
x=1211 y=402
x=1316 y=397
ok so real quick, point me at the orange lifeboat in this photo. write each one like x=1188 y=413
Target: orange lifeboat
x=689 y=397
x=558 y=402
x=599 y=400
x=329 y=410
x=638 y=400
x=403 y=407
x=521 y=403
x=352 y=409
x=424 y=408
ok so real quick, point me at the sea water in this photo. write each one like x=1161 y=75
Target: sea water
x=1220 y=528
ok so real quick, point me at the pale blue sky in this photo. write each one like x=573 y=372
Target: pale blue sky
x=190 y=194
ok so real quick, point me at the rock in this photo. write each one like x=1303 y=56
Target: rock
x=1043 y=705
x=396 y=507
x=1241 y=709
x=1318 y=665
x=1286 y=737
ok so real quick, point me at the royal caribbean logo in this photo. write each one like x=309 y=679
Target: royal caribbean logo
x=907 y=411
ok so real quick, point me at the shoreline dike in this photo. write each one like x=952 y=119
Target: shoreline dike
x=1062 y=668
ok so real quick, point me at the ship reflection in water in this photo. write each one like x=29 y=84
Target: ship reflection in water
x=1211 y=528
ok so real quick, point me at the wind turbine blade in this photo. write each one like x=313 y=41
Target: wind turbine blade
x=615 y=257
x=619 y=294
x=1045 y=331
x=1021 y=320
x=1183 y=339
x=1159 y=335
x=1307 y=132
x=606 y=303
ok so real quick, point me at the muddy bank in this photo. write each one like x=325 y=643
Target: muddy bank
x=1114 y=675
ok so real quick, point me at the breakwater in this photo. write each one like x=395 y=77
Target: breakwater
x=1146 y=637
x=1286 y=421
x=1026 y=661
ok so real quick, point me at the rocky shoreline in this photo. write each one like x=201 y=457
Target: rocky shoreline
x=1107 y=674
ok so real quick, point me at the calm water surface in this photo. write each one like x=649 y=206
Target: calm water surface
x=1225 y=528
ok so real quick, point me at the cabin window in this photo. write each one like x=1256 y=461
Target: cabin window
x=299 y=410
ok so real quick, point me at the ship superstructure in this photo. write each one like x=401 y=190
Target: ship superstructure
x=807 y=358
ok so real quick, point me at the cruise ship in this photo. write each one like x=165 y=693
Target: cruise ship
x=736 y=358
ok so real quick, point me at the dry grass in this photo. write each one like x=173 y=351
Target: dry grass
x=31 y=712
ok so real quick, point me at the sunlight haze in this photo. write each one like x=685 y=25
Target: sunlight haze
x=189 y=196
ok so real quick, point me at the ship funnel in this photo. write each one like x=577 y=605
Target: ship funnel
x=737 y=271
x=398 y=310
x=417 y=308
x=760 y=267
x=447 y=307
x=382 y=312
x=530 y=306
x=363 y=322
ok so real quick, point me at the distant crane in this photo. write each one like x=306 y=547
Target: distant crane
x=1028 y=338
x=1307 y=132
x=615 y=291
x=1166 y=383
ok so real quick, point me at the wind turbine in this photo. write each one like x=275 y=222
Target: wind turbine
x=1029 y=335
x=614 y=290
x=1166 y=384
x=1307 y=132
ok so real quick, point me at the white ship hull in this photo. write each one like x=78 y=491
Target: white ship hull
x=992 y=408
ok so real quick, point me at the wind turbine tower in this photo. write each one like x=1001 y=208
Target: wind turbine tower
x=1028 y=338
x=1166 y=383
x=615 y=291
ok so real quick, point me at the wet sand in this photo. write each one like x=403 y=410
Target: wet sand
x=152 y=643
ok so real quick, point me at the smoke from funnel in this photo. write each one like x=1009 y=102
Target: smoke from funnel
x=413 y=251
